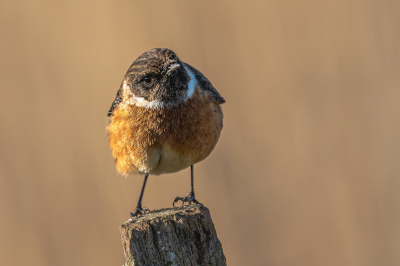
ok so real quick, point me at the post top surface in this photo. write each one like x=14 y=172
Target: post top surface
x=167 y=214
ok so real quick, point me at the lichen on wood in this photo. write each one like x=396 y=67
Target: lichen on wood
x=172 y=237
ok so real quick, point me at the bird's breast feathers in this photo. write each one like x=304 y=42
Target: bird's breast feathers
x=152 y=137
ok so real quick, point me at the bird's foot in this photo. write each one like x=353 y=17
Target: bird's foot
x=189 y=198
x=139 y=211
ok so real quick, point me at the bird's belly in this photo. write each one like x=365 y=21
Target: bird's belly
x=157 y=141
x=171 y=161
x=173 y=158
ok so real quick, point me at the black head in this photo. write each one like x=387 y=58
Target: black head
x=158 y=75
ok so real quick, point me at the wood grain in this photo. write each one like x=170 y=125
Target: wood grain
x=175 y=236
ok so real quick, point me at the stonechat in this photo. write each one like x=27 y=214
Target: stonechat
x=166 y=117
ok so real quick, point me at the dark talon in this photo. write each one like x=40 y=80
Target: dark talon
x=139 y=211
x=176 y=200
x=190 y=197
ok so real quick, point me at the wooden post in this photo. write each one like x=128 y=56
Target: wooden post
x=172 y=237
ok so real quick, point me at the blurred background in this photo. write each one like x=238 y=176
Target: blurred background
x=307 y=170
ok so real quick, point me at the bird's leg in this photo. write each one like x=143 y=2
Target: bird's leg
x=190 y=197
x=139 y=209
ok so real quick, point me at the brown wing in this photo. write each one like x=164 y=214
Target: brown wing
x=115 y=103
x=206 y=85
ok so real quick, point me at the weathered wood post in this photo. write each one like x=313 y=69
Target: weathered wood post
x=172 y=237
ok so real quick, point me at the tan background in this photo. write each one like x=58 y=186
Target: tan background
x=306 y=172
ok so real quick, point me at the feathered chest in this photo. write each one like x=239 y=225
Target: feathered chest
x=138 y=135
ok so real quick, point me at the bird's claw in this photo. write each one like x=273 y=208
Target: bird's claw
x=139 y=211
x=189 y=198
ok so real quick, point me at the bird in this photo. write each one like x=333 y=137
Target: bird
x=165 y=117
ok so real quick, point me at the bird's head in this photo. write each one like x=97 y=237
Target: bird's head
x=157 y=78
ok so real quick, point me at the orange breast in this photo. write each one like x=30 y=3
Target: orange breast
x=164 y=140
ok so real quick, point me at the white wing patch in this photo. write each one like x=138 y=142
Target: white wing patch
x=142 y=102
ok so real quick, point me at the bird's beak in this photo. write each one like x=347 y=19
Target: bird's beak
x=172 y=68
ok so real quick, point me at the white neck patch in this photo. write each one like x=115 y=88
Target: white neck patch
x=140 y=101
x=192 y=83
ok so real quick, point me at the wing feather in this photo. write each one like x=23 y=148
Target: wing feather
x=206 y=85
x=117 y=100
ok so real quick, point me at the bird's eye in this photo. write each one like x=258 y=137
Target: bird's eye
x=147 y=81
